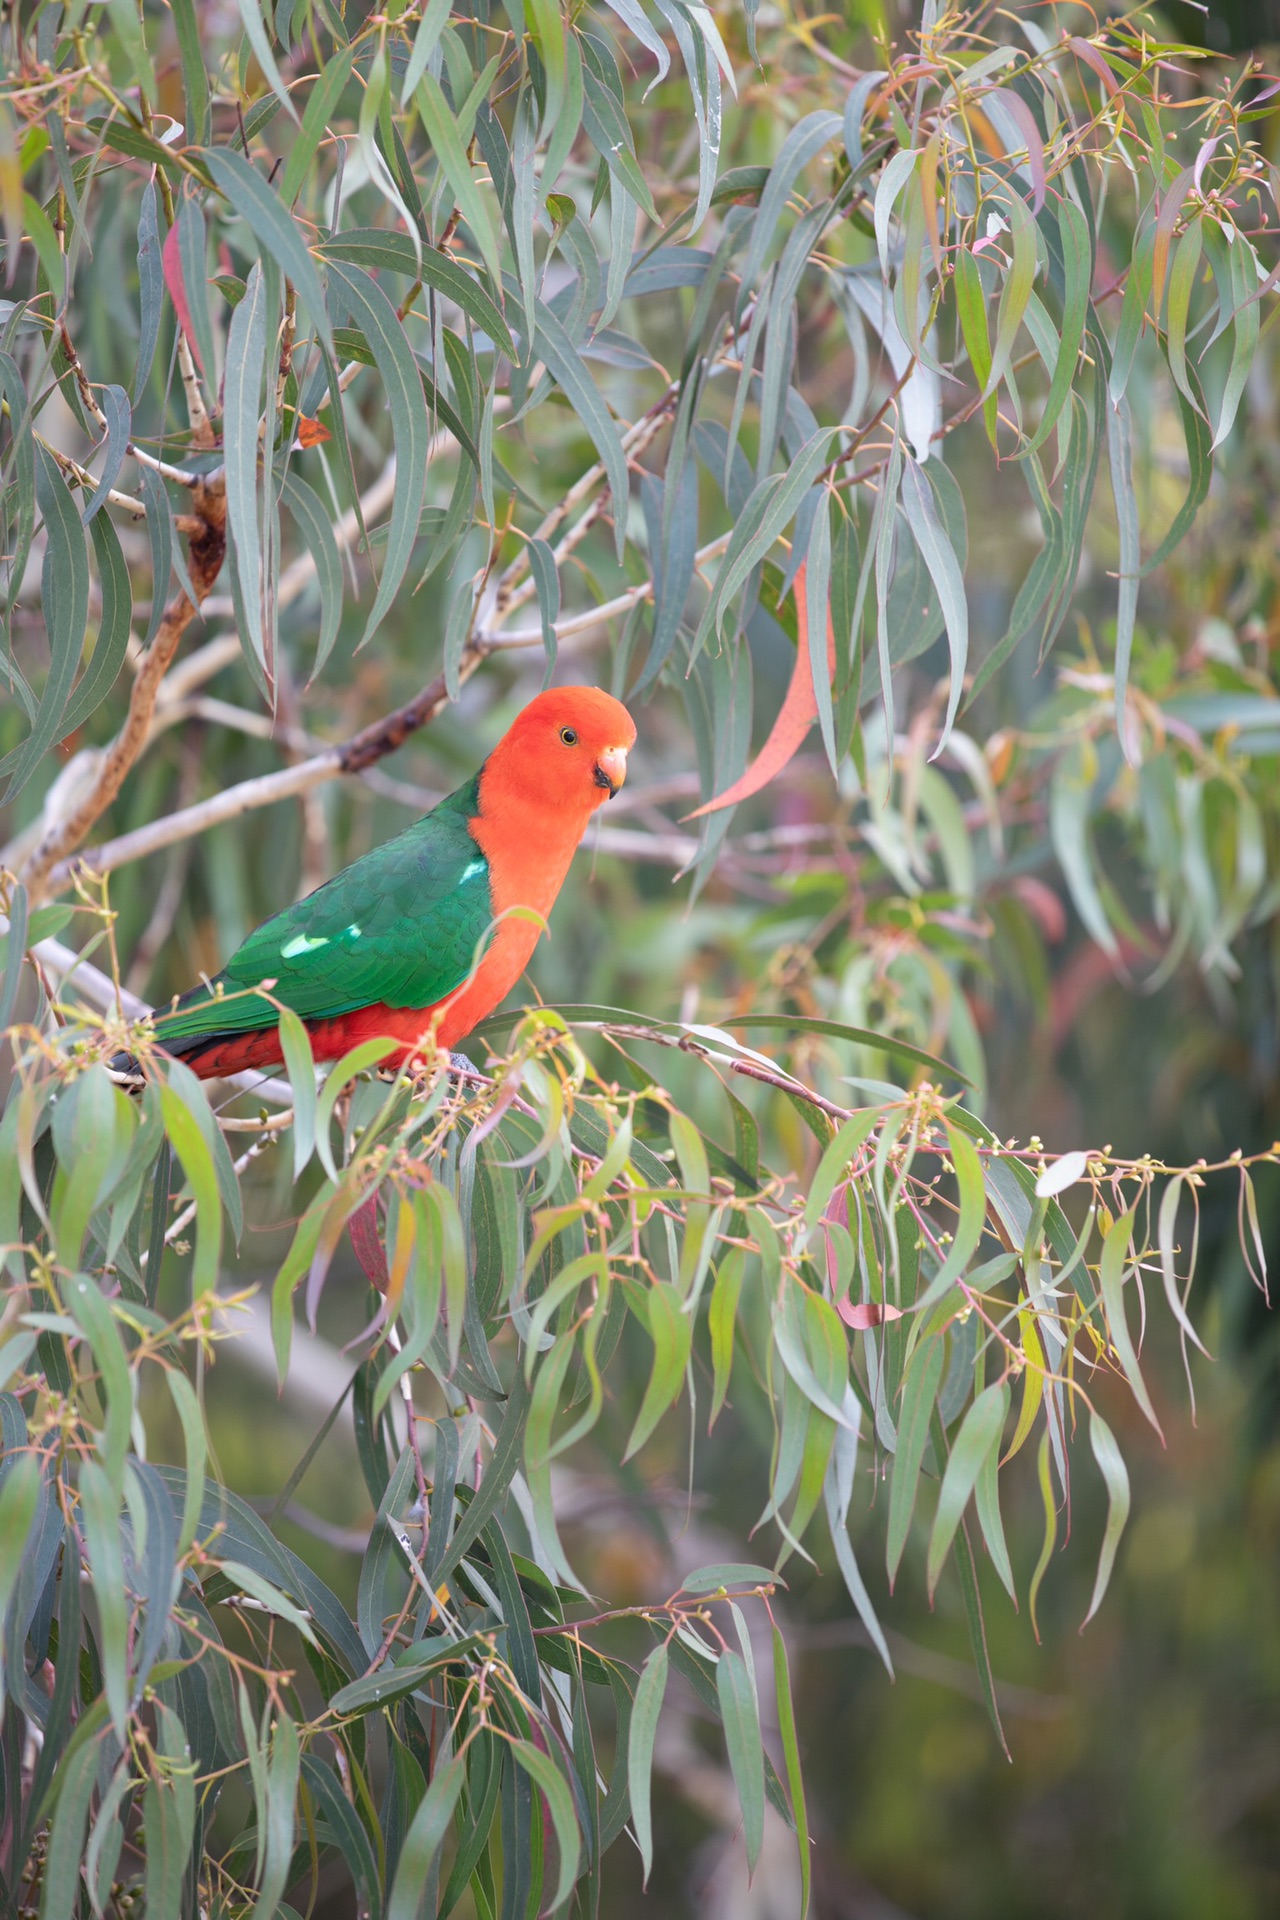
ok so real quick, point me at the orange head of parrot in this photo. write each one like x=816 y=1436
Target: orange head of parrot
x=566 y=753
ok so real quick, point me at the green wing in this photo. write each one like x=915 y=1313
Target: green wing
x=399 y=926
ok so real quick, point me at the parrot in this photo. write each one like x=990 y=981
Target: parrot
x=419 y=939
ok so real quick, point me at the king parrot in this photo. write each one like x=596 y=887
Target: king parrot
x=418 y=940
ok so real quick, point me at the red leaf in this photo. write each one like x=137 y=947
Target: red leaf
x=1086 y=51
x=366 y=1242
x=1018 y=110
x=864 y=1314
x=171 y=259
x=798 y=712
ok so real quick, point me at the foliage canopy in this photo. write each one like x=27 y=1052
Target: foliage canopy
x=688 y=330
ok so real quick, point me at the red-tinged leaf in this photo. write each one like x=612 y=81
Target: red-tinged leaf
x=1086 y=51
x=312 y=433
x=171 y=260
x=864 y=1314
x=798 y=713
x=1018 y=111
x=366 y=1243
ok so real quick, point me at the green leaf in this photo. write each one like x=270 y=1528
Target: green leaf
x=545 y=1774
x=450 y=150
x=671 y=1330
x=740 y=1713
x=92 y=1314
x=100 y=1519
x=721 y=1320
x=355 y=1061
x=977 y=1440
x=255 y=28
x=834 y=1164
x=423 y=1841
x=274 y=228
x=168 y=1816
x=242 y=396
x=435 y=17
x=128 y=26
x=1137 y=293
x=791 y=1757
x=644 y=1725
x=19 y=1493
x=1077 y=268
x=772 y=504
x=802 y=145
x=189 y=1144
x=1114 y=1472
x=73 y=1785
x=268 y=1596
x=542 y=565
x=408 y=1672
x=381 y=251
x=971 y=1223
x=114 y=402
x=552 y=344
x=1017 y=288
x=1111 y=1278
x=193 y=264
x=1182 y=280
x=345 y=1823
x=64 y=597
x=728 y=1573
x=113 y=627
x=402 y=388
x=948 y=577
x=978 y=1633
x=610 y=133
x=1050 y=1527
x=1120 y=455
x=295 y=1045
x=277 y=1817
x=1167 y=1222
x=1070 y=802
x=325 y=95
x=987 y=1502
x=920 y=1385
x=971 y=308
x=189 y=1413
x=1244 y=339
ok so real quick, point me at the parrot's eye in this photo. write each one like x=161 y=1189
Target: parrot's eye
x=568 y=736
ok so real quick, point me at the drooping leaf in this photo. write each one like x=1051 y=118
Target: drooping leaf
x=64 y=595
x=740 y=1715
x=1114 y=1472
x=644 y=1725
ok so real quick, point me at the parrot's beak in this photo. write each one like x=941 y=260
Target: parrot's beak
x=611 y=769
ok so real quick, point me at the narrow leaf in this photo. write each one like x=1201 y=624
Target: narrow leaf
x=644 y=1725
x=740 y=1714
x=1114 y=1472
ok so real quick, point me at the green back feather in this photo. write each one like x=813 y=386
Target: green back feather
x=401 y=926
